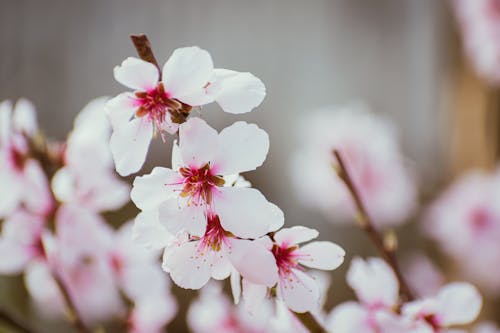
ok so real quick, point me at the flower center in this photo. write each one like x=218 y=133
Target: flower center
x=199 y=184
x=17 y=158
x=157 y=105
x=285 y=257
x=215 y=235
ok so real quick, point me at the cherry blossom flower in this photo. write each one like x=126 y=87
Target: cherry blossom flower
x=456 y=303
x=368 y=143
x=194 y=188
x=22 y=175
x=299 y=291
x=212 y=312
x=188 y=79
x=192 y=261
x=465 y=220
x=377 y=289
x=479 y=23
x=88 y=178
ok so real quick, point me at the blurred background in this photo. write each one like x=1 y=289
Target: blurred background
x=401 y=57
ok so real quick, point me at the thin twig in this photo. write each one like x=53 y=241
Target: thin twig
x=366 y=223
x=310 y=322
x=144 y=50
x=14 y=322
x=74 y=316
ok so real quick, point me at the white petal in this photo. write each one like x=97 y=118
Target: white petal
x=176 y=215
x=187 y=71
x=459 y=303
x=321 y=255
x=9 y=200
x=198 y=142
x=137 y=74
x=349 y=317
x=129 y=145
x=221 y=266
x=15 y=256
x=254 y=262
x=299 y=291
x=151 y=190
x=24 y=117
x=188 y=267
x=121 y=109
x=43 y=289
x=254 y=295
x=237 y=92
x=295 y=235
x=177 y=161
x=246 y=212
x=37 y=195
x=242 y=147
x=235 y=281
x=373 y=281
x=149 y=231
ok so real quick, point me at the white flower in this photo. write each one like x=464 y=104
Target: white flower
x=192 y=261
x=194 y=188
x=456 y=303
x=295 y=287
x=88 y=178
x=188 y=79
x=368 y=143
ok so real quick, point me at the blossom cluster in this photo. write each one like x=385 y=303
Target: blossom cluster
x=207 y=219
x=53 y=231
x=379 y=308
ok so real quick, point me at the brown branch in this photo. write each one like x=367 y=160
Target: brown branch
x=73 y=314
x=144 y=50
x=310 y=322
x=14 y=322
x=387 y=252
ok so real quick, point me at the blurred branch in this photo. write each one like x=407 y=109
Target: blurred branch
x=310 y=322
x=144 y=50
x=74 y=316
x=14 y=322
x=387 y=252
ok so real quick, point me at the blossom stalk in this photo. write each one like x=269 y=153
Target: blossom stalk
x=366 y=224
